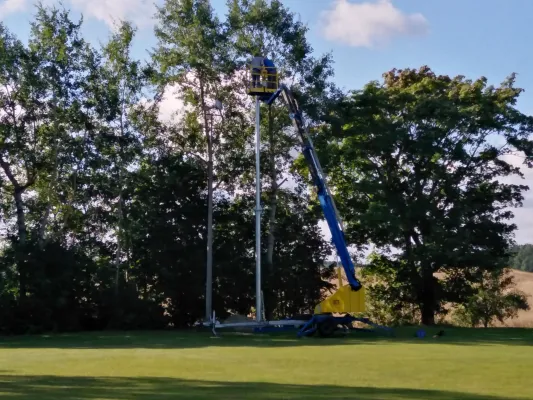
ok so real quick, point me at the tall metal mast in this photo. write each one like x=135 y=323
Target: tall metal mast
x=258 y=303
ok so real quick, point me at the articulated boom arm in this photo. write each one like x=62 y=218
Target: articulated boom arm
x=324 y=195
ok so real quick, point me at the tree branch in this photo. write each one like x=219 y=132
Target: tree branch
x=217 y=185
x=18 y=187
x=7 y=169
x=278 y=185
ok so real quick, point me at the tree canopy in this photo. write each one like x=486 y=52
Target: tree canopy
x=416 y=163
x=110 y=212
x=109 y=208
x=522 y=257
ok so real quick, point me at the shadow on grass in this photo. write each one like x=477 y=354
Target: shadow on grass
x=191 y=339
x=84 y=388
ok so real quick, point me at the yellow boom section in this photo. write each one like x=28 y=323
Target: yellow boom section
x=343 y=301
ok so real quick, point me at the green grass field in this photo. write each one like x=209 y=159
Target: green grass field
x=464 y=364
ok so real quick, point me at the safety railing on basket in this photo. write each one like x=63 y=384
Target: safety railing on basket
x=263 y=79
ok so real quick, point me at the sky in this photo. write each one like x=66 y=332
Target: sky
x=367 y=38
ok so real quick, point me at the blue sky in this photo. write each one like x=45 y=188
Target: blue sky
x=473 y=38
x=368 y=37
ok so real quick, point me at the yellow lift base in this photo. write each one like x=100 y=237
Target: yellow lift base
x=343 y=301
x=326 y=319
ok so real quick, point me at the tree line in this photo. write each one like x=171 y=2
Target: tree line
x=111 y=212
x=522 y=257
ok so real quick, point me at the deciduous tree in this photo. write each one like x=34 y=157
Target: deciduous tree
x=191 y=57
x=495 y=298
x=416 y=163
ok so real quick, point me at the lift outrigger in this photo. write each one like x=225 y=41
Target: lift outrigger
x=338 y=311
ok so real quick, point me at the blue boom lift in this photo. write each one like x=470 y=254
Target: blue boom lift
x=324 y=195
x=337 y=311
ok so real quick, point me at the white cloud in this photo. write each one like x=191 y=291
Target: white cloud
x=371 y=23
x=140 y=12
x=172 y=106
x=12 y=6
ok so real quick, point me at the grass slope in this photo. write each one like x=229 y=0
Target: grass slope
x=493 y=364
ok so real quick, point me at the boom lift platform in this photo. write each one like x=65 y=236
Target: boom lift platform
x=338 y=311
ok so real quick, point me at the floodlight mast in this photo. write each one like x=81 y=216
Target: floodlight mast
x=258 y=210
x=266 y=87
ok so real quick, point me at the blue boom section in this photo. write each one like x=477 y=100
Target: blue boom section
x=324 y=195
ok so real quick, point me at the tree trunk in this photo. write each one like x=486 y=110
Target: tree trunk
x=119 y=239
x=428 y=301
x=426 y=291
x=21 y=217
x=120 y=215
x=18 y=190
x=428 y=314
x=209 y=263
x=43 y=223
x=23 y=234
x=270 y=293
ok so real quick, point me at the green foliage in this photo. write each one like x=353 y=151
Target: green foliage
x=415 y=162
x=105 y=203
x=522 y=258
x=494 y=299
x=108 y=209
x=388 y=302
x=190 y=39
x=167 y=223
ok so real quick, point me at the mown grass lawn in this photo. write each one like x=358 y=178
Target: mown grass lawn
x=463 y=364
